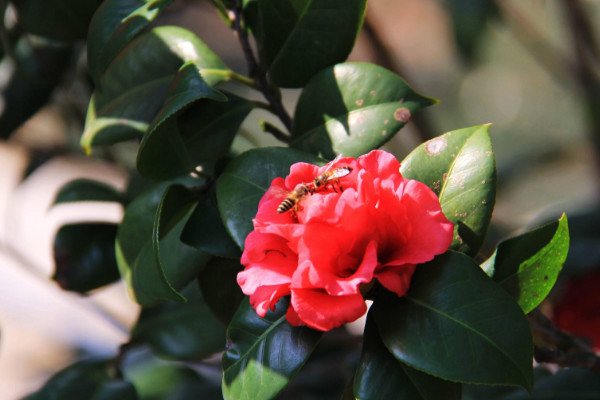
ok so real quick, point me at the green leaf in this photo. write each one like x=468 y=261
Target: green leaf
x=218 y=282
x=181 y=331
x=156 y=380
x=380 y=376
x=527 y=266
x=135 y=86
x=205 y=230
x=114 y=25
x=244 y=181
x=86 y=380
x=457 y=324
x=57 y=19
x=352 y=108
x=39 y=67
x=88 y=190
x=460 y=168
x=192 y=131
x=263 y=354
x=298 y=38
x=84 y=256
x=147 y=281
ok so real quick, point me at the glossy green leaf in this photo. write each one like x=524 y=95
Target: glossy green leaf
x=88 y=190
x=263 y=354
x=218 y=282
x=380 y=376
x=353 y=108
x=86 y=380
x=134 y=87
x=244 y=181
x=527 y=266
x=457 y=324
x=205 y=230
x=298 y=38
x=181 y=331
x=156 y=380
x=40 y=66
x=57 y=19
x=192 y=131
x=460 y=168
x=84 y=256
x=147 y=282
x=114 y=25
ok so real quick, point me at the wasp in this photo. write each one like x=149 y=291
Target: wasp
x=331 y=177
x=320 y=182
x=293 y=197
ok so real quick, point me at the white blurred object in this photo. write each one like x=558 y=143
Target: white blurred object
x=41 y=324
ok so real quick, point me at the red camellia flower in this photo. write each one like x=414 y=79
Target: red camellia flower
x=368 y=223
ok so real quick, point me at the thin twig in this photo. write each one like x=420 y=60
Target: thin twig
x=385 y=59
x=558 y=347
x=256 y=72
x=273 y=130
x=584 y=72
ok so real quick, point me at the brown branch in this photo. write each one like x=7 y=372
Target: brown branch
x=383 y=57
x=256 y=72
x=555 y=346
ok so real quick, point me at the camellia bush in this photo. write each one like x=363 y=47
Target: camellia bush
x=249 y=263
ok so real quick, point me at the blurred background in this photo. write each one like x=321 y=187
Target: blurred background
x=531 y=68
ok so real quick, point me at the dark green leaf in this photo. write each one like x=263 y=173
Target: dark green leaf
x=352 y=108
x=298 y=38
x=245 y=179
x=191 y=132
x=57 y=19
x=263 y=354
x=457 y=324
x=86 y=380
x=148 y=283
x=84 y=255
x=114 y=25
x=470 y=19
x=527 y=266
x=39 y=66
x=134 y=87
x=218 y=282
x=181 y=331
x=88 y=190
x=460 y=168
x=381 y=376
x=205 y=230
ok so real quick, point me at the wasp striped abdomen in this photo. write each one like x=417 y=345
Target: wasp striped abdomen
x=292 y=199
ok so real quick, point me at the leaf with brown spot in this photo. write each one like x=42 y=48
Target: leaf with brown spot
x=527 y=266
x=459 y=166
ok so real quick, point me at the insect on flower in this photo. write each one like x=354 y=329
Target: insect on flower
x=328 y=178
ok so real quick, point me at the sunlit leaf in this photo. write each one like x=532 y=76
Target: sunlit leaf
x=116 y=23
x=135 y=86
x=457 y=324
x=527 y=266
x=460 y=168
x=263 y=353
x=353 y=108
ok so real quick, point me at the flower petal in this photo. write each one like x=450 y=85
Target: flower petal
x=321 y=311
